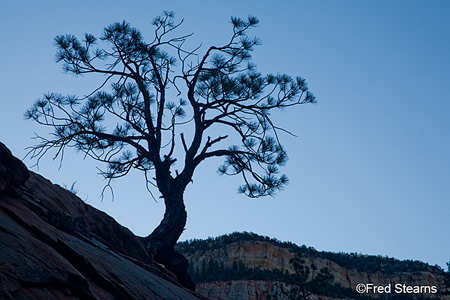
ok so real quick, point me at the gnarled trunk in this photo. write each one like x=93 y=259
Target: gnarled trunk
x=162 y=240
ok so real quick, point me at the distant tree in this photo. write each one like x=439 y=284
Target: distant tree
x=304 y=282
x=166 y=104
x=446 y=276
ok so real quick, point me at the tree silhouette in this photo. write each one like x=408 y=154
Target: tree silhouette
x=168 y=104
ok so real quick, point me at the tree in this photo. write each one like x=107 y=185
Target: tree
x=304 y=282
x=137 y=124
x=446 y=275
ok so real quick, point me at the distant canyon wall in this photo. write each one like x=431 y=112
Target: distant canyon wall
x=267 y=256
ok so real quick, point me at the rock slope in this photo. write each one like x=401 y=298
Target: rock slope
x=54 y=246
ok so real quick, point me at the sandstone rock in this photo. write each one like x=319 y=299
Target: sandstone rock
x=237 y=289
x=13 y=173
x=54 y=246
x=265 y=255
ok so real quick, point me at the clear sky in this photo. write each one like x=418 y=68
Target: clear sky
x=370 y=169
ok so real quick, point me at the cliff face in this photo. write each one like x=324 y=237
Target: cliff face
x=54 y=246
x=241 y=259
x=237 y=289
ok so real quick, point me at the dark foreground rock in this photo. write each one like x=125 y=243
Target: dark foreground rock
x=54 y=246
x=13 y=172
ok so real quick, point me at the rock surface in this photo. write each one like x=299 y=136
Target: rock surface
x=54 y=246
x=13 y=173
x=265 y=255
x=237 y=289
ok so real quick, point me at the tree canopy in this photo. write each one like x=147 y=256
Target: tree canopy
x=223 y=87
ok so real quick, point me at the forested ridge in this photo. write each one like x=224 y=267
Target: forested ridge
x=352 y=261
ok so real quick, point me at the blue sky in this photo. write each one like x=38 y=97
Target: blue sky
x=370 y=169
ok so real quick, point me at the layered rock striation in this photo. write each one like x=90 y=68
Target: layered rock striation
x=55 y=246
x=250 y=267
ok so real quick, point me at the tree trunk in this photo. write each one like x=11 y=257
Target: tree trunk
x=162 y=240
x=171 y=227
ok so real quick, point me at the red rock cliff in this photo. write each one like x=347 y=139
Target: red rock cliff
x=266 y=255
x=54 y=246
